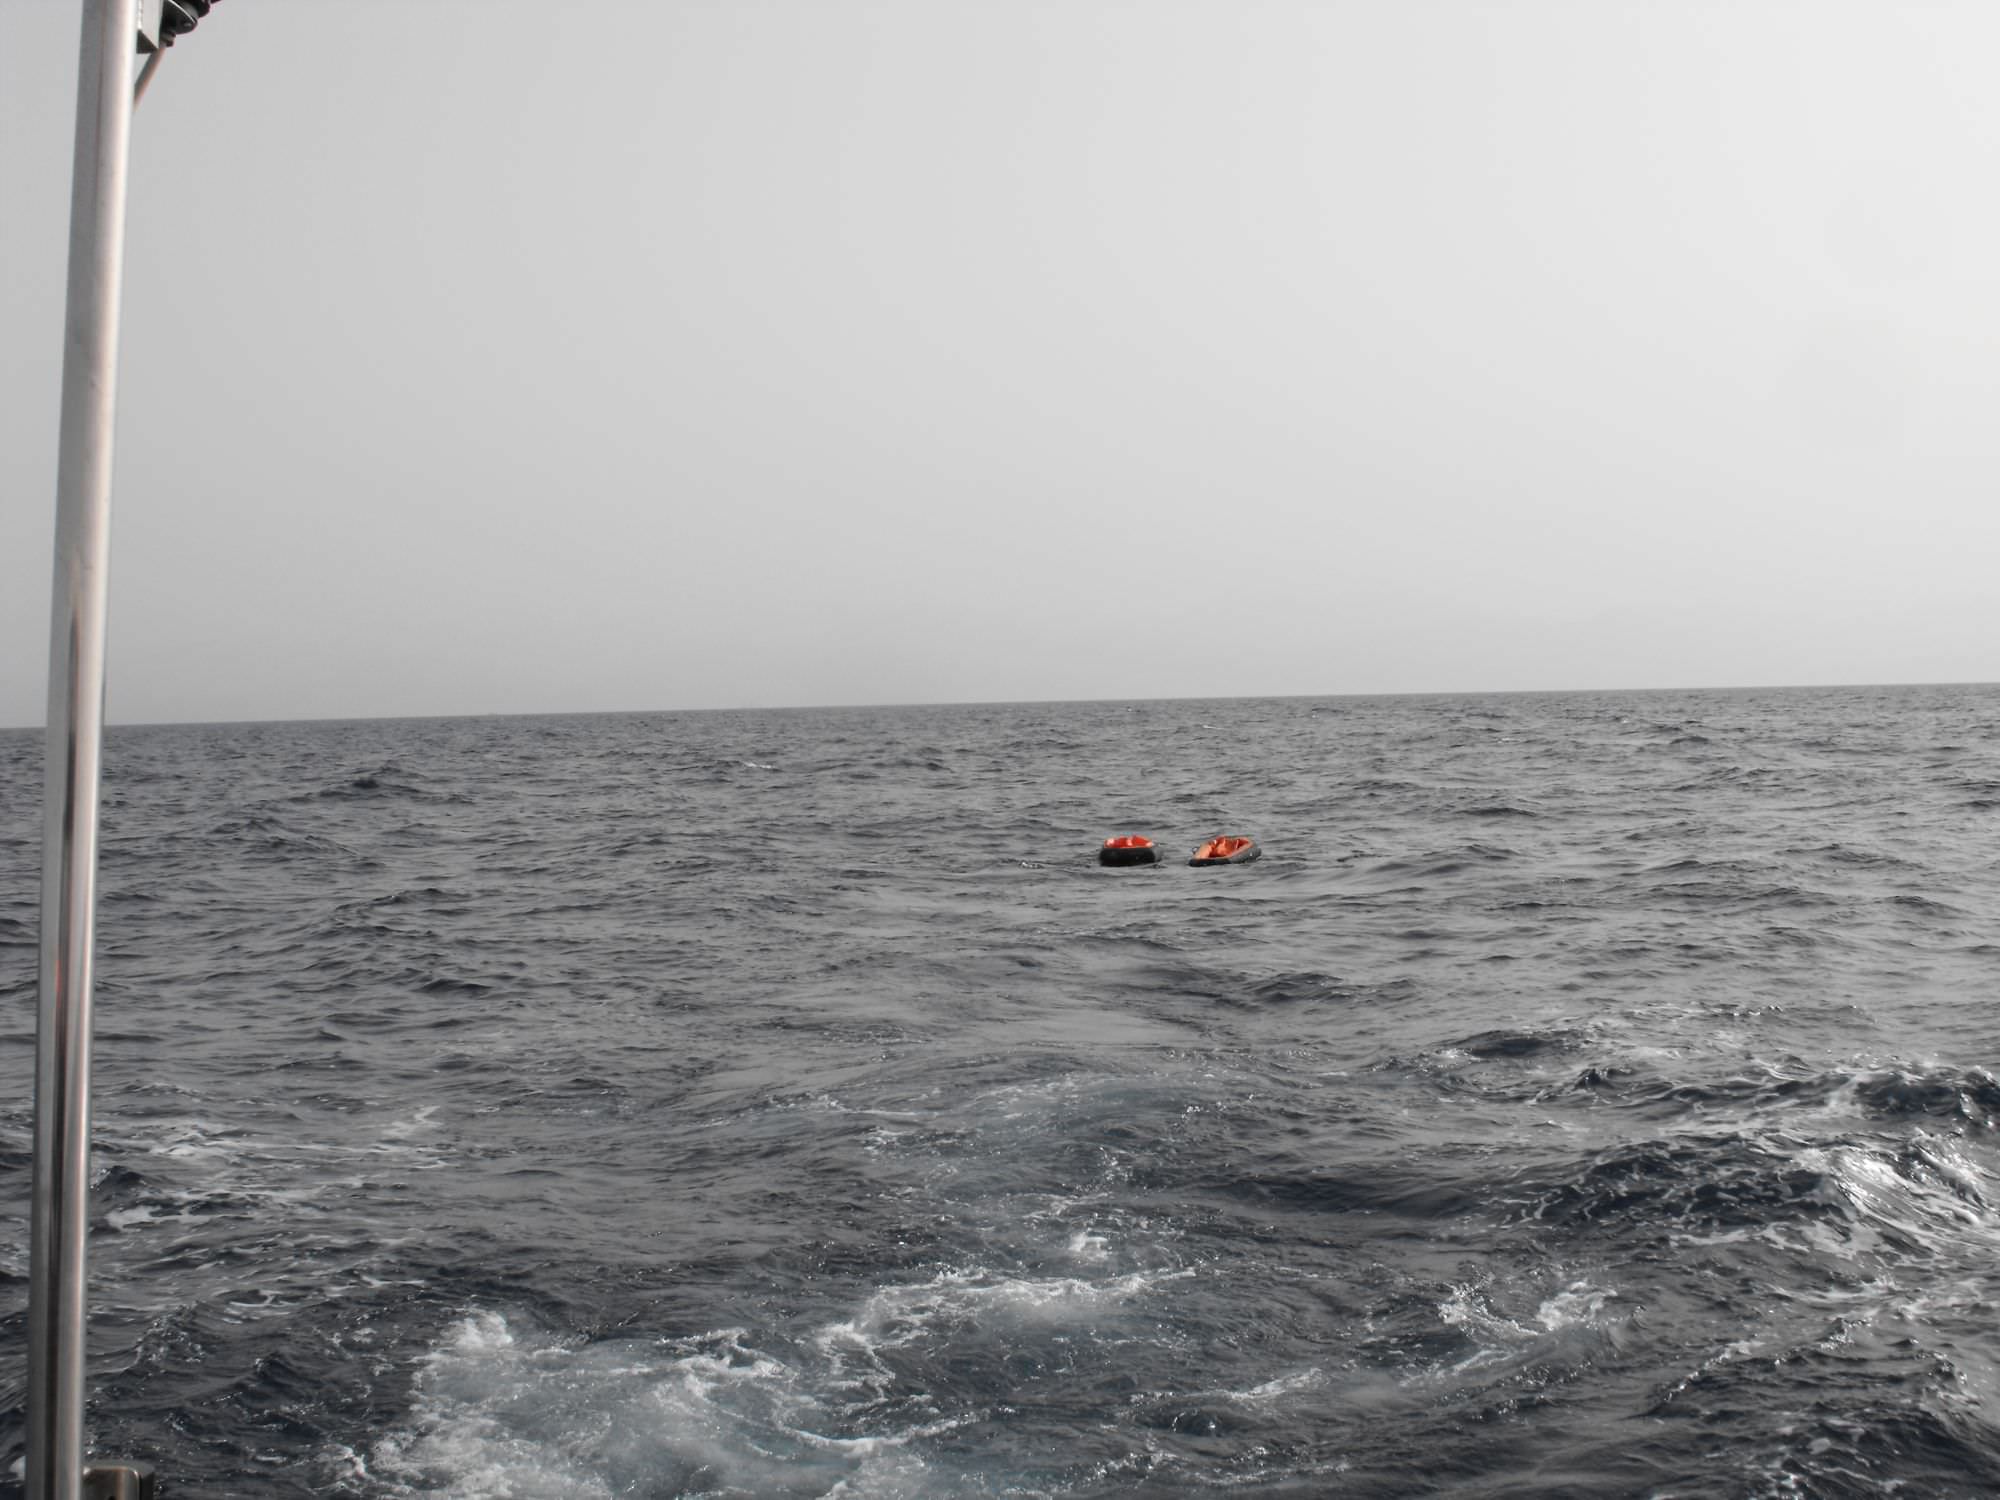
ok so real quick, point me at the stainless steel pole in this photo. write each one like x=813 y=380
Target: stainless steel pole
x=61 y=1189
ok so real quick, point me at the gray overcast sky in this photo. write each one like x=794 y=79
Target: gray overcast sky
x=507 y=357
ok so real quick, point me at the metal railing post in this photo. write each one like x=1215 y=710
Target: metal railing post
x=61 y=1190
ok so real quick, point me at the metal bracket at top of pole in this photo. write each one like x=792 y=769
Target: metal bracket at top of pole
x=150 y=12
x=151 y=43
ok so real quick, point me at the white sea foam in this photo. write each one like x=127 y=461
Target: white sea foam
x=896 y=1315
x=504 y=1412
x=1087 y=1246
x=1466 y=1309
x=1279 y=1387
x=189 y=1140
x=1499 y=1338
x=1577 y=1303
x=421 y=1120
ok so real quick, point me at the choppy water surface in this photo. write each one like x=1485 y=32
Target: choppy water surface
x=1586 y=1095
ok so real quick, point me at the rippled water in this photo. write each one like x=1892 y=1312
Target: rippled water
x=1586 y=1095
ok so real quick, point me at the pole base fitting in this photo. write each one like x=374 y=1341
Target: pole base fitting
x=120 y=1482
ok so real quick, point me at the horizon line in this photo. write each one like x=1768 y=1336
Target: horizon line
x=756 y=708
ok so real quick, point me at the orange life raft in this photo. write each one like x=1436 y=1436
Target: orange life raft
x=1128 y=849
x=1226 y=849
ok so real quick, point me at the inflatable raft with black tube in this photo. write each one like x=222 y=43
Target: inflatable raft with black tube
x=1129 y=849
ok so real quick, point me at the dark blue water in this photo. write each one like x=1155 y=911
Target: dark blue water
x=1586 y=1095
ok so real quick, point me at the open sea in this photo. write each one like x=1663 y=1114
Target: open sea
x=1587 y=1095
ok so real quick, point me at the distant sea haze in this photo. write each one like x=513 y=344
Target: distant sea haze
x=1586 y=1095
